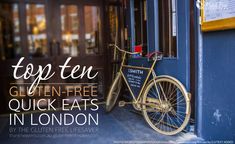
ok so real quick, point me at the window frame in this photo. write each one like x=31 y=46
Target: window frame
x=18 y=3
x=153 y=28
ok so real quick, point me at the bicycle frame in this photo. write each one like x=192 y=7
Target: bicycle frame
x=171 y=108
x=137 y=98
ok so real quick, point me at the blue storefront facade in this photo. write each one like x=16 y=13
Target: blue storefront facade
x=49 y=31
x=215 y=85
x=207 y=69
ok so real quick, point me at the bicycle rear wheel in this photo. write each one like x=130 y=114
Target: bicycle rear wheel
x=114 y=93
x=166 y=105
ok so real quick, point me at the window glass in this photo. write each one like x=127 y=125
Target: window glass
x=168 y=27
x=36 y=28
x=113 y=23
x=69 y=28
x=140 y=25
x=10 y=46
x=92 y=29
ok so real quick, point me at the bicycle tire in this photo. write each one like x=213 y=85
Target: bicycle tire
x=172 y=117
x=114 y=93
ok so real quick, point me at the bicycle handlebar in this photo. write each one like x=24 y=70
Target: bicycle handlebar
x=121 y=50
x=156 y=54
x=159 y=54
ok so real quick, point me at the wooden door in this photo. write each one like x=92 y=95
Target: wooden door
x=78 y=33
x=48 y=32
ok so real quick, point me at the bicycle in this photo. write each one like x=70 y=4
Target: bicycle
x=163 y=100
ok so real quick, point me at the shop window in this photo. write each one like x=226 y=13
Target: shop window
x=168 y=28
x=36 y=29
x=10 y=46
x=140 y=12
x=113 y=24
x=69 y=29
x=92 y=29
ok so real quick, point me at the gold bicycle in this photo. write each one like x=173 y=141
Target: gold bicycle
x=163 y=100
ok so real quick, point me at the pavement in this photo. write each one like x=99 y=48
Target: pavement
x=122 y=125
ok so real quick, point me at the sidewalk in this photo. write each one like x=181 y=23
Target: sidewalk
x=120 y=126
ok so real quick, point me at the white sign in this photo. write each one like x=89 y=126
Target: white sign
x=218 y=9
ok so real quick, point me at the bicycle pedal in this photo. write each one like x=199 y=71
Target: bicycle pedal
x=121 y=103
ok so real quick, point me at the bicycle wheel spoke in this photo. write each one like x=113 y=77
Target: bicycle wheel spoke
x=177 y=115
x=168 y=87
x=172 y=122
x=162 y=91
x=177 y=99
x=162 y=116
x=154 y=117
x=172 y=91
x=158 y=91
x=170 y=116
x=180 y=114
x=154 y=94
x=171 y=95
x=167 y=122
x=178 y=104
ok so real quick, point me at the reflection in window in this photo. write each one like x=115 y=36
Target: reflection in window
x=69 y=28
x=36 y=27
x=92 y=29
x=9 y=31
x=168 y=27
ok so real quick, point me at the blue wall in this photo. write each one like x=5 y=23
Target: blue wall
x=216 y=86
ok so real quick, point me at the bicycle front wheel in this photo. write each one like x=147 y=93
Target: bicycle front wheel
x=114 y=93
x=166 y=105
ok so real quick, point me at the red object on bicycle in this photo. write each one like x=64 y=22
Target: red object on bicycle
x=138 y=48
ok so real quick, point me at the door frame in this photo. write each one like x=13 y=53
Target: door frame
x=182 y=66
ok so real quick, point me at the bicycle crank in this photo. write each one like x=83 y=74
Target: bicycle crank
x=123 y=103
